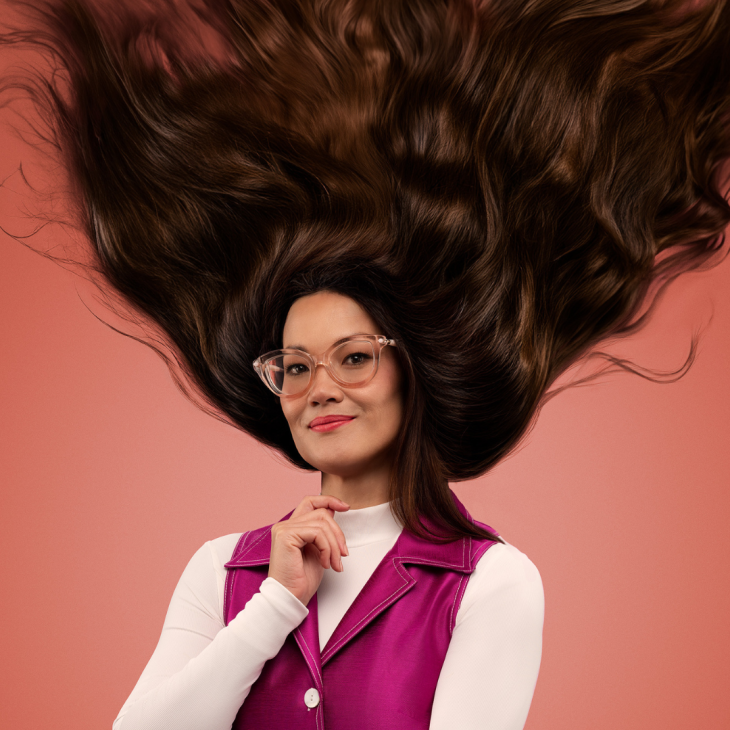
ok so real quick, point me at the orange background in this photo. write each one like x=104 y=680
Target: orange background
x=111 y=480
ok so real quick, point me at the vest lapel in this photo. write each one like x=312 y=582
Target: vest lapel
x=389 y=582
x=307 y=638
x=254 y=550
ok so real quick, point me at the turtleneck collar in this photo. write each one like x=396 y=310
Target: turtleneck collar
x=368 y=525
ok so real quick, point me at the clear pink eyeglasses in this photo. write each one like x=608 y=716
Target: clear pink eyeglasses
x=351 y=362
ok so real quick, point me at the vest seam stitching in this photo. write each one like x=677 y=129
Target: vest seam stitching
x=364 y=618
x=309 y=651
x=242 y=542
x=481 y=549
x=256 y=542
x=416 y=561
x=315 y=673
x=453 y=605
x=230 y=577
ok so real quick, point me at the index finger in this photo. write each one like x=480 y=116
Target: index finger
x=315 y=501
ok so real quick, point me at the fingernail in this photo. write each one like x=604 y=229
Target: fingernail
x=342 y=565
x=346 y=551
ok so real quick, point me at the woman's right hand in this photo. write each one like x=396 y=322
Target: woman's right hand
x=307 y=543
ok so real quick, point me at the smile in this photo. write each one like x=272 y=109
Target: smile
x=331 y=425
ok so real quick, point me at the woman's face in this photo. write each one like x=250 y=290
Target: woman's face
x=314 y=323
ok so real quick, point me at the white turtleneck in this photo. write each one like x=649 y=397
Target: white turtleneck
x=201 y=671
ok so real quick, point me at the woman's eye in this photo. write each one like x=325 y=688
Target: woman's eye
x=297 y=369
x=356 y=358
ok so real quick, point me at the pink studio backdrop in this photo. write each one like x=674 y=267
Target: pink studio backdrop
x=111 y=480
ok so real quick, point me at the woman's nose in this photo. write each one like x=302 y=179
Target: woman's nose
x=323 y=388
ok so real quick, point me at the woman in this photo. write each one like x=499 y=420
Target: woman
x=496 y=186
x=483 y=675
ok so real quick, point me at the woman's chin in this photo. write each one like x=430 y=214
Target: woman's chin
x=345 y=466
x=344 y=458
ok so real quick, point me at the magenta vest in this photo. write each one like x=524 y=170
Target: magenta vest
x=381 y=665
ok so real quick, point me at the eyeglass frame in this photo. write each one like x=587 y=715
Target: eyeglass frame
x=377 y=341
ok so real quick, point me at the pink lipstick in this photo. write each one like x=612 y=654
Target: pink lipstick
x=330 y=423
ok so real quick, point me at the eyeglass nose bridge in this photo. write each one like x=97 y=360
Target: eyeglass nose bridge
x=313 y=373
x=326 y=356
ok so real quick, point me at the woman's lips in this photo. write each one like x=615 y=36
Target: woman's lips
x=332 y=424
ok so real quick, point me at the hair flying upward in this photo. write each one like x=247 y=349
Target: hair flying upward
x=494 y=182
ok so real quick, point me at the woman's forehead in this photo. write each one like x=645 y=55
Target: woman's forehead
x=319 y=320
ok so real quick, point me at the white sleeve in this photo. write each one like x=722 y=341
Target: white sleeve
x=202 y=671
x=491 y=666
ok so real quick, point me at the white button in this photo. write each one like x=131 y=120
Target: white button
x=311 y=698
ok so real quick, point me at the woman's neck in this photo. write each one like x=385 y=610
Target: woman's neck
x=368 y=525
x=361 y=490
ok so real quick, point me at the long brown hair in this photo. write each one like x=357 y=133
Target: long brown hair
x=498 y=183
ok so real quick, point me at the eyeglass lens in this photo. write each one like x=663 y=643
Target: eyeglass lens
x=352 y=362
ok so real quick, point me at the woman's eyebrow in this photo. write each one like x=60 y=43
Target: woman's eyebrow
x=342 y=339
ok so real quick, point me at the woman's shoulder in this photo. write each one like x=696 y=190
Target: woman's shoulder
x=202 y=581
x=504 y=575
x=505 y=560
x=220 y=549
x=210 y=559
